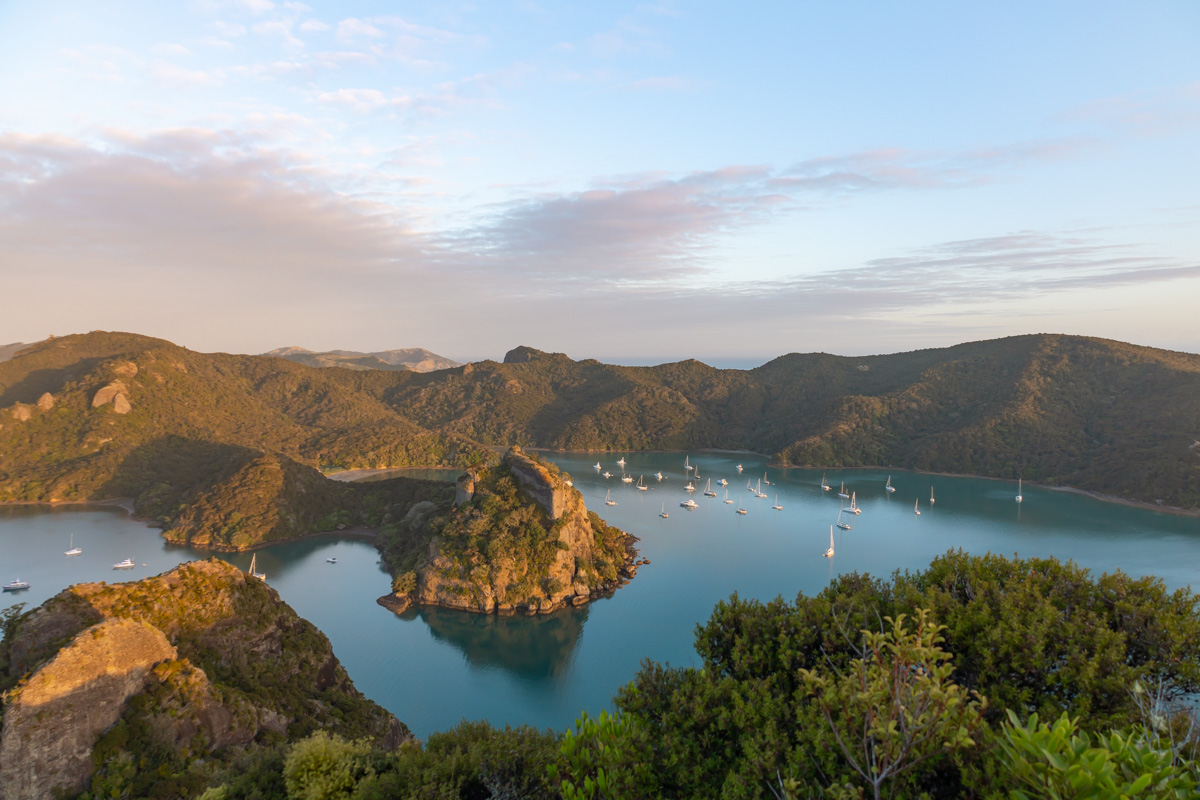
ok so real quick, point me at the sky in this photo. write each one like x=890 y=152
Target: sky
x=632 y=182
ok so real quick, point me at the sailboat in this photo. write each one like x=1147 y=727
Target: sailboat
x=262 y=576
x=691 y=487
x=917 y=507
x=887 y=487
x=658 y=475
x=1018 y=498
x=741 y=510
x=931 y=501
x=708 y=492
x=824 y=485
x=664 y=513
x=842 y=493
x=621 y=461
x=843 y=525
x=641 y=485
x=765 y=481
x=626 y=479
x=727 y=500
x=597 y=466
x=854 y=509
x=686 y=466
x=74 y=551
x=607 y=474
x=739 y=469
x=829 y=552
x=777 y=507
x=749 y=488
x=608 y=501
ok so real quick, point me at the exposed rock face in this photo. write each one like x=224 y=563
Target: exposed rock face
x=520 y=355
x=491 y=558
x=197 y=660
x=52 y=723
x=464 y=488
x=21 y=412
x=46 y=402
x=109 y=393
x=125 y=369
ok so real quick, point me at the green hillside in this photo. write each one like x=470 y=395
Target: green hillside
x=1060 y=410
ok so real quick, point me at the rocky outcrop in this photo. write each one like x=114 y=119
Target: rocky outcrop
x=115 y=393
x=198 y=662
x=21 y=412
x=46 y=401
x=51 y=723
x=488 y=557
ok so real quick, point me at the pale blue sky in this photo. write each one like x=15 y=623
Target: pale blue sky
x=726 y=181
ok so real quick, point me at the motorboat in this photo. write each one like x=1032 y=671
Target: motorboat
x=16 y=585
x=688 y=504
x=128 y=563
x=331 y=560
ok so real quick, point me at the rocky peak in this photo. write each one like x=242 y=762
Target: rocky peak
x=522 y=354
x=550 y=491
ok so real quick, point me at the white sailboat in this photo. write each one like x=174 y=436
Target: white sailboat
x=1018 y=497
x=691 y=487
x=621 y=461
x=917 y=507
x=829 y=552
x=608 y=501
x=824 y=485
x=597 y=466
x=727 y=500
x=843 y=525
x=854 y=509
x=931 y=495
x=765 y=481
x=607 y=474
x=74 y=551
x=708 y=492
x=777 y=507
x=741 y=510
x=749 y=488
x=687 y=467
x=626 y=479
x=887 y=487
x=664 y=513
x=641 y=485
x=842 y=493
x=262 y=576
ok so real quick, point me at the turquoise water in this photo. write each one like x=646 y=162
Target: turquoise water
x=434 y=667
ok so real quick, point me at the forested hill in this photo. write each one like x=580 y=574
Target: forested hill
x=1061 y=410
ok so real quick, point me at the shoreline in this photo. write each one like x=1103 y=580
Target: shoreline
x=1095 y=495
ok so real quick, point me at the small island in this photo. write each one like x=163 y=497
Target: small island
x=518 y=539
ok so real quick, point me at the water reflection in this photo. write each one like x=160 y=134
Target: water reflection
x=531 y=647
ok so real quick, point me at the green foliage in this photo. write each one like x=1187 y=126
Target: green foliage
x=1057 y=761
x=599 y=760
x=325 y=767
x=895 y=707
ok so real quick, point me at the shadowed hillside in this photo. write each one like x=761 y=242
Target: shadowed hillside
x=1061 y=410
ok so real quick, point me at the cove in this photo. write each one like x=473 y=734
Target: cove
x=433 y=667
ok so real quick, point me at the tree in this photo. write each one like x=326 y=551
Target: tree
x=895 y=707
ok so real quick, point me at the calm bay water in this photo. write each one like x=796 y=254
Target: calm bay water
x=434 y=667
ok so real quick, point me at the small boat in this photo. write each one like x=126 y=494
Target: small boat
x=262 y=576
x=829 y=552
x=608 y=501
x=741 y=510
x=597 y=466
x=74 y=551
x=658 y=475
x=626 y=479
x=887 y=487
x=128 y=563
x=621 y=461
x=607 y=474
x=331 y=560
x=765 y=481
x=641 y=485
x=691 y=487
x=842 y=493
x=727 y=500
x=824 y=486
x=854 y=509
x=843 y=525
x=1018 y=497
x=758 y=492
x=749 y=488
x=930 y=495
x=689 y=504
x=722 y=482
x=777 y=507
x=16 y=586
x=917 y=507
x=687 y=467
x=739 y=469
x=664 y=513
x=708 y=492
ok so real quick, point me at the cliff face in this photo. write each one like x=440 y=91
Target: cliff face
x=165 y=673
x=520 y=539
